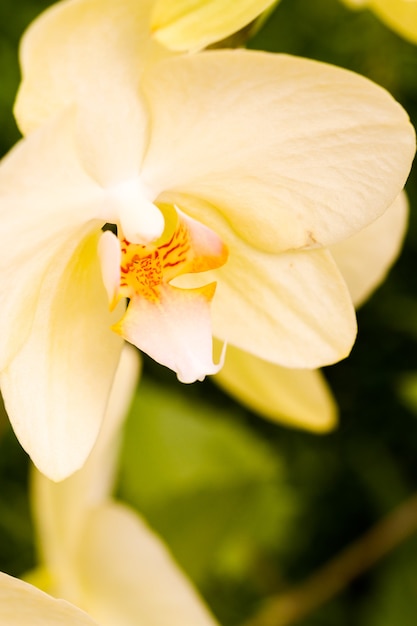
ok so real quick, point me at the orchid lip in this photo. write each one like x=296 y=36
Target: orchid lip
x=170 y=324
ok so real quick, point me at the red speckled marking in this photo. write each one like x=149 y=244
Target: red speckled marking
x=145 y=268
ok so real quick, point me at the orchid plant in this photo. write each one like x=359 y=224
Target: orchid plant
x=221 y=180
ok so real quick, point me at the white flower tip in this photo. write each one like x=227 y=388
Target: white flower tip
x=140 y=220
x=128 y=205
x=198 y=370
x=145 y=226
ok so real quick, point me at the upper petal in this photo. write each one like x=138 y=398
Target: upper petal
x=299 y=398
x=22 y=604
x=92 y=53
x=365 y=258
x=293 y=152
x=189 y=25
x=130 y=578
x=66 y=365
x=46 y=198
x=44 y=189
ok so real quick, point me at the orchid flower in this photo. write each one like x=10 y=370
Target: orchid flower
x=98 y=554
x=236 y=168
x=60 y=509
x=300 y=397
x=127 y=576
x=155 y=593
x=399 y=15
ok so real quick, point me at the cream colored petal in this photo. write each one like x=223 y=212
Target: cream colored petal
x=91 y=52
x=22 y=604
x=292 y=309
x=56 y=388
x=44 y=190
x=45 y=198
x=299 y=398
x=293 y=152
x=366 y=258
x=191 y=25
x=129 y=578
x=60 y=509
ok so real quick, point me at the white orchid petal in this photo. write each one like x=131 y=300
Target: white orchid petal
x=293 y=152
x=91 y=53
x=44 y=190
x=66 y=365
x=299 y=398
x=366 y=258
x=60 y=509
x=22 y=604
x=44 y=197
x=293 y=310
x=130 y=578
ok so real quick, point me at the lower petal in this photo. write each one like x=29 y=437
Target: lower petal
x=56 y=388
x=130 y=578
x=60 y=509
x=175 y=331
x=299 y=398
x=365 y=258
x=293 y=309
x=22 y=604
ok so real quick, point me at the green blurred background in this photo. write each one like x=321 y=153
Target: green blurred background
x=248 y=507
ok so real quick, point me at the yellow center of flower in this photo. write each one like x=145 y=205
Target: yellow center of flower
x=145 y=268
x=170 y=322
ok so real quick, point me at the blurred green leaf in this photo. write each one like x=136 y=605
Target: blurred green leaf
x=210 y=486
x=407 y=390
